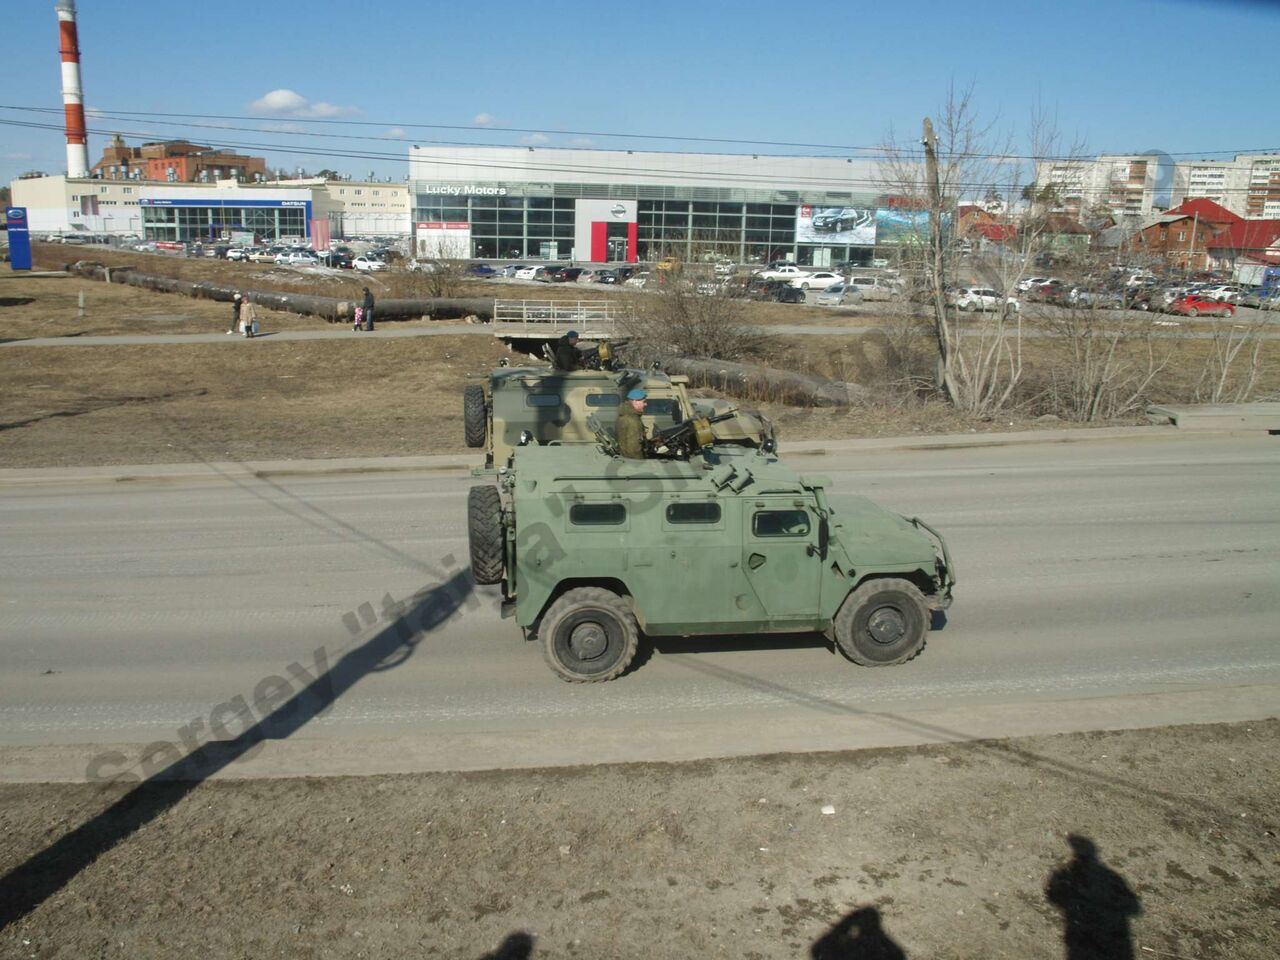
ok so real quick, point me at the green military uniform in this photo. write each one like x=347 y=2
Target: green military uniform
x=630 y=430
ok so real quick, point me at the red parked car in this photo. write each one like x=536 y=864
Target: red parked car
x=1193 y=306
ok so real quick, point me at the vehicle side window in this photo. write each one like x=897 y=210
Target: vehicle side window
x=663 y=409
x=780 y=523
x=603 y=399
x=695 y=511
x=542 y=400
x=598 y=514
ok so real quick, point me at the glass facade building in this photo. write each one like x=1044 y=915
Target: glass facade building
x=596 y=205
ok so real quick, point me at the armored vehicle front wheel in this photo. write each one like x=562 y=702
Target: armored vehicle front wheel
x=882 y=623
x=484 y=530
x=474 y=415
x=588 y=635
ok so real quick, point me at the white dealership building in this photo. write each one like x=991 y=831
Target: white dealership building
x=624 y=205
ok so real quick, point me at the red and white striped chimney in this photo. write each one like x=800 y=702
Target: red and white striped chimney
x=72 y=95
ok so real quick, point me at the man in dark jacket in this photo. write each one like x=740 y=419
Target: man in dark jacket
x=567 y=354
x=368 y=309
x=235 y=312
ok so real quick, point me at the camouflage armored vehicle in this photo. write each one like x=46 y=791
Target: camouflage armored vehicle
x=553 y=406
x=591 y=550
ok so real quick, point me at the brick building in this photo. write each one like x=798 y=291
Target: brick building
x=176 y=161
x=1183 y=235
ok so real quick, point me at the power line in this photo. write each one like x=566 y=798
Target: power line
x=879 y=149
x=741 y=180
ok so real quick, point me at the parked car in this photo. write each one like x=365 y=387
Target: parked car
x=1194 y=306
x=818 y=281
x=1095 y=299
x=1255 y=298
x=725 y=268
x=297 y=258
x=1032 y=282
x=511 y=269
x=1226 y=292
x=258 y=255
x=238 y=254
x=367 y=263
x=638 y=280
x=777 y=290
x=481 y=270
x=606 y=276
x=785 y=271
x=340 y=261
x=566 y=274
x=527 y=273
x=1055 y=291
x=840 y=295
x=981 y=298
x=874 y=288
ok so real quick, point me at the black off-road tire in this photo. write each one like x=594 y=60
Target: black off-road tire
x=588 y=635
x=484 y=530
x=882 y=623
x=475 y=417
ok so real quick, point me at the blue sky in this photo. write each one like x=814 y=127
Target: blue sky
x=1122 y=76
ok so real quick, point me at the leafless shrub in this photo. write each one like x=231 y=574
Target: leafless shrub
x=678 y=319
x=1102 y=367
x=1223 y=379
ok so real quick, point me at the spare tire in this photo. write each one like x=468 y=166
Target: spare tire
x=484 y=530
x=474 y=415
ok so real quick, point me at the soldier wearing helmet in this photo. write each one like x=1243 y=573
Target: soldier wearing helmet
x=567 y=354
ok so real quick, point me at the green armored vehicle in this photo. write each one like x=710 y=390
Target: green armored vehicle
x=553 y=406
x=593 y=549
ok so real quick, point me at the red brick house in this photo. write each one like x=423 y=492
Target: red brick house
x=1182 y=236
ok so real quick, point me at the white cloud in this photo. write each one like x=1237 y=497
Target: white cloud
x=288 y=103
x=93 y=113
x=582 y=142
x=535 y=139
x=485 y=120
x=284 y=127
x=395 y=133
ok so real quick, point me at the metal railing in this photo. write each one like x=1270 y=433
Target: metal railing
x=544 y=318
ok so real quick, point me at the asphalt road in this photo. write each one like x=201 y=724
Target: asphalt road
x=1103 y=583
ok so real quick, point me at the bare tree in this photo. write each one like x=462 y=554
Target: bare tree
x=1222 y=379
x=439 y=268
x=1101 y=366
x=965 y=159
x=684 y=316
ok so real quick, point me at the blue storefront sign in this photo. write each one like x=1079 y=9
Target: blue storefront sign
x=19 y=238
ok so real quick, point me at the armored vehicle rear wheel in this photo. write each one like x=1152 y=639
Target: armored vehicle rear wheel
x=474 y=415
x=882 y=623
x=588 y=635
x=484 y=529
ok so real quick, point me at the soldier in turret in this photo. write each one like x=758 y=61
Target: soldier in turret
x=630 y=428
x=567 y=354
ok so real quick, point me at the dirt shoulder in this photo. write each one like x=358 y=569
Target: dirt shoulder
x=958 y=850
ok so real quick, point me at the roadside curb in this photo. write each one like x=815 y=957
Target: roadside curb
x=461 y=464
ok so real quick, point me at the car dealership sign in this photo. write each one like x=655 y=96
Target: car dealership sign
x=465 y=190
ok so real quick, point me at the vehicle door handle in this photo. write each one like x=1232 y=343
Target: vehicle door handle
x=755 y=561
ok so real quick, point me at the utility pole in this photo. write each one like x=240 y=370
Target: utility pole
x=930 y=142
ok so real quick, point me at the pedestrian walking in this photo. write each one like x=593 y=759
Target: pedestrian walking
x=236 y=302
x=358 y=315
x=367 y=304
x=248 y=319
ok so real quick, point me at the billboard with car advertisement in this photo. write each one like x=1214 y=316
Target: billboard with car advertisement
x=901 y=225
x=836 y=225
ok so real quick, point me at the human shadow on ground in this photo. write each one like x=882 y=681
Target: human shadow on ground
x=1096 y=905
x=518 y=946
x=30 y=884
x=858 y=936
x=87 y=404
